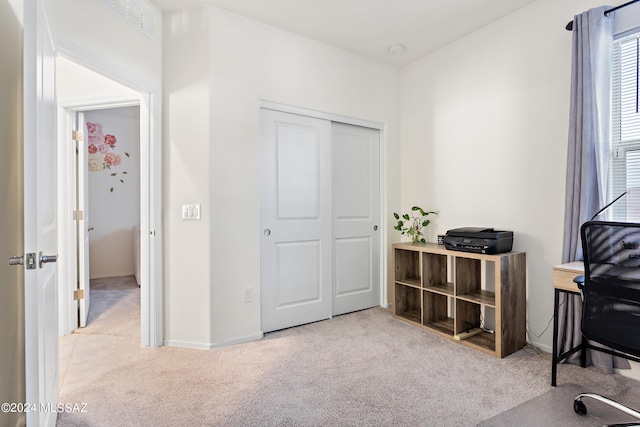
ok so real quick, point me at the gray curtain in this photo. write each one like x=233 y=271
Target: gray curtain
x=587 y=163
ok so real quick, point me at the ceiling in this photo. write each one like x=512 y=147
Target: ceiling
x=370 y=27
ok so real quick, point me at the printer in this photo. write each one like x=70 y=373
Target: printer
x=479 y=240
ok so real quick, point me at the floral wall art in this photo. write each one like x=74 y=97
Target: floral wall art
x=103 y=155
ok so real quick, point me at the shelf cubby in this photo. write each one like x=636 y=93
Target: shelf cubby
x=434 y=270
x=407 y=267
x=407 y=303
x=467 y=315
x=435 y=313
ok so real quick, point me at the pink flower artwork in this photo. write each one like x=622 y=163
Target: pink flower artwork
x=112 y=159
x=94 y=130
x=102 y=154
x=110 y=140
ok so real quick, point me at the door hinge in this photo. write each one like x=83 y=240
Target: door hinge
x=76 y=135
x=78 y=215
x=78 y=294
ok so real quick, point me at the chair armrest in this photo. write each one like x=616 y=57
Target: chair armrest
x=579 y=280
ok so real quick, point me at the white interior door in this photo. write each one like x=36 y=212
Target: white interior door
x=40 y=216
x=83 y=223
x=296 y=220
x=356 y=217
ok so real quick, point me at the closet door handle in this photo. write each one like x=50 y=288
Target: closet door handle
x=267 y=232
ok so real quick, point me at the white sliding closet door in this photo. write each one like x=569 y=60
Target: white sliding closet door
x=320 y=212
x=356 y=217
x=296 y=220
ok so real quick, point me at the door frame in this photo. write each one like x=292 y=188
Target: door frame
x=270 y=105
x=149 y=290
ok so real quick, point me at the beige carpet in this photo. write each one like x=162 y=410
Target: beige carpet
x=361 y=369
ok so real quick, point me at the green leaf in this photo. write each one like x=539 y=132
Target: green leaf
x=406 y=216
x=396 y=216
x=411 y=232
x=425 y=223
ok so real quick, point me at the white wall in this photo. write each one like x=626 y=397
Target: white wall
x=12 y=371
x=76 y=84
x=95 y=36
x=212 y=101
x=484 y=138
x=187 y=126
x=114 y=195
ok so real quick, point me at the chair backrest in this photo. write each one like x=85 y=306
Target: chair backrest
x=611 y=307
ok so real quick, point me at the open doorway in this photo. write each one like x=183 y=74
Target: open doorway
x=114 y=186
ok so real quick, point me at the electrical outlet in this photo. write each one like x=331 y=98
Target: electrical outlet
x=248 y=294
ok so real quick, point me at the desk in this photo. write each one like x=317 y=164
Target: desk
x=563 y=276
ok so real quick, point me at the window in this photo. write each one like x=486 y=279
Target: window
x=625 y=142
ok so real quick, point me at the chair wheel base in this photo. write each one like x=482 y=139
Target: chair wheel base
x=579 y=407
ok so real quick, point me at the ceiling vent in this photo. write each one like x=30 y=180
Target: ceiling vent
x=136 y=12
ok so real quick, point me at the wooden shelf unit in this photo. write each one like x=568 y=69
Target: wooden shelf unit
x=451 y=293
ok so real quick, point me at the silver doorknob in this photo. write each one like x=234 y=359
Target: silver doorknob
x=375 y=228
x=90 y=228
x=16 y=260
x=267 y=232
x=47 y=258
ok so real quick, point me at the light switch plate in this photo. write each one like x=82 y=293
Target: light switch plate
x=190 y=212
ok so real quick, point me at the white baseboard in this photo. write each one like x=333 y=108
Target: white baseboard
x=248 y=338
x=187 y=344
x=542 y=347
x=211 y=346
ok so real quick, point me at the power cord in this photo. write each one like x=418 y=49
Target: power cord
x=530 y=333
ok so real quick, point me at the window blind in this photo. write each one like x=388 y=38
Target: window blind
x=633 y=186
x=625 y=125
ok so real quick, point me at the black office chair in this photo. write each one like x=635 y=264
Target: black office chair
x=611 y=296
